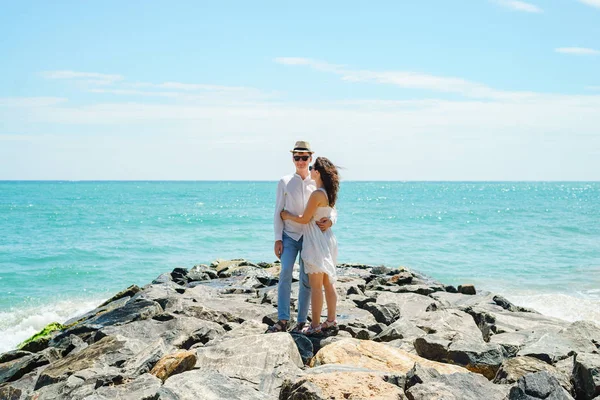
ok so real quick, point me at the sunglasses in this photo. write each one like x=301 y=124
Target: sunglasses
x=303 y=158
x=312 y=168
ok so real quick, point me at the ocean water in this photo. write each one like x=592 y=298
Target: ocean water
x=65 y=246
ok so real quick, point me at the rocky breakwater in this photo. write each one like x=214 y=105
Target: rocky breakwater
x=199 y=334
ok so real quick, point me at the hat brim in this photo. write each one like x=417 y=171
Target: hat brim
x=302 y=151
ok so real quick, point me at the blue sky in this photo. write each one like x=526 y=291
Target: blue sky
x=419 y=90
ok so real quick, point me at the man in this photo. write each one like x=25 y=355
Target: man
x=293 y=192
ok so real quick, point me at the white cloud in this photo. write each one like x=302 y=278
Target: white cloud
x=30 y=101
x=577 y=50
x=593 y=3
x=89 y=77
x=409 y=80
x=519 y=6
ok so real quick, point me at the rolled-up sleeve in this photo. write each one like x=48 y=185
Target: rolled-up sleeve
x=279 y=204
x=333 y=216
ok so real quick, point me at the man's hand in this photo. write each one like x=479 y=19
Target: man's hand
x=278 y=248
x=324 y=224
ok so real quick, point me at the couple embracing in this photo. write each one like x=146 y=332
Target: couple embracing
x=304 y=214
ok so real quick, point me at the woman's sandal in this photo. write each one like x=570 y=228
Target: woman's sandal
x=279 y=326
x=312 y=330
x=329 y=325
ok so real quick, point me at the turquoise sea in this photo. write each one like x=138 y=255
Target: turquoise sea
x=65 y=246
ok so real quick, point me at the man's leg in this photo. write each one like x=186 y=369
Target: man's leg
x=284 y=287
x=304 y=292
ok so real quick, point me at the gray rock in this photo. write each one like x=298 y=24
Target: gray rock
x=129 y=292
x=163 y=278
x=207 y=385
x=477 y=356
x=361 y=301
x=411 y=304
x=134 y=310
x=90 y=314
x=586 y=375
x=108 y=351
x=401 y=329
x=538 y=385
x=145 y=387
x=201 y=273
x=16 y=368
x=455 y=386
x=261 y=360
x=513 y=369
x=13 y=355
x=467 y=289
x=384 y=313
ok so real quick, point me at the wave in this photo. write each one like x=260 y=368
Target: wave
x=16 y=325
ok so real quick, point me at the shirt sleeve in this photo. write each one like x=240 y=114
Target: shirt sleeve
x=279 y=204
x=333 y=216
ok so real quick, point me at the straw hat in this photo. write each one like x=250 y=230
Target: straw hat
x=302 y=147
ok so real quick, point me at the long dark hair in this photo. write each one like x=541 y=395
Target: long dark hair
x=330 y=178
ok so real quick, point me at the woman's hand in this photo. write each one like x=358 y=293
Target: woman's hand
x=285 y=215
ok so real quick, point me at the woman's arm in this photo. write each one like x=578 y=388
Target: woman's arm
x=316 y=199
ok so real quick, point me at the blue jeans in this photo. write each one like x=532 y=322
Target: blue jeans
x=291 y=248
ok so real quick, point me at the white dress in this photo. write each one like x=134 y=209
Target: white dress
x=319 y=249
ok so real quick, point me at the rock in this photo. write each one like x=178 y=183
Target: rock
x=467 y=289
x=357 y=332
x=551 y=346
x=80 y=318
x=340 y=385
x=111 y=350
x=70 y=344
x=16 y=368
x=507 y=305
x=376 y=356
x=586 y=375
x=538 y=385
x=477 y=356
x=13 y=355
x=129 y=292
x=180 y=276
x=39 y=341
x=401 y=329
x=173 y=364
x=411 y=304
x=203 y=335
x=382 y=270
x=449 y=324
x=134 y=310
x=361 y=301
x=145 y=360
x=456 y=386
x=201 y=273
x=305 y=347
x=207 y=385
x=513 y=369
x=177 y=332
x=163 y=278
x=403 y=278
x=261 y=360
x=384 y=313
x=144 y=387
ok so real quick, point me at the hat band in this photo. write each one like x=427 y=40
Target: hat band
x=301 y=149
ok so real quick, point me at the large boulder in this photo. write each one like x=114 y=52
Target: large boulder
x=538 y=385
x=377 y=357
x=339 y=386
x=15 y=368
x=261 y=360
x=515 y=368
x=586 y=375
x=208 y=385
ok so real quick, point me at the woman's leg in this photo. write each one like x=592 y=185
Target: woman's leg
x=316 y=297
x=330 y=297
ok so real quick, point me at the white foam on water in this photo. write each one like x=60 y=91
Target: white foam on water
x=569 y=307
x=17 y=325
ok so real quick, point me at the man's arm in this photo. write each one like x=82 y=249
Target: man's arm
x=277 y=221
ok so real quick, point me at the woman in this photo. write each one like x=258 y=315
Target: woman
x=319 y=249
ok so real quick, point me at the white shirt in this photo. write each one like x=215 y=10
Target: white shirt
x=293 y=193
